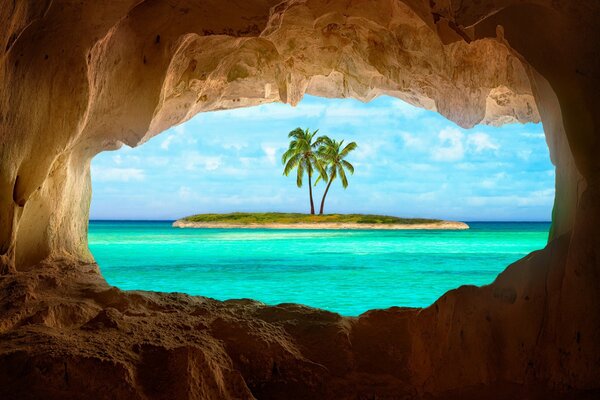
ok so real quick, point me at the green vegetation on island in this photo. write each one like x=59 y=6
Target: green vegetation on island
x=241 y=218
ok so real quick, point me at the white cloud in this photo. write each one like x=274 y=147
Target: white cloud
x=479 y=142
x=156 y=161
x=185 y=193
x=531 y=135
x=271 y=111
x=432 y=195
x=193 y=159
x=247 y=161
x=245 y=200
x=103 y=174
x=167 y=142
x=128 y=159
x=488 y=183
x=451 y=148
x=212 y=163
x=270 y=153
x=397 y=109
x=466 y=166
x=477 y=201
x=368 y=150
x=524 y=154
x=492 y=182
x=539 y=198
x=235 y=145
x=420 y=167
x=348 y=111
x=412 y=141
x=454 y=145
x=180 y=129
x=356 y=112
x=405 y=110
x=180 y=135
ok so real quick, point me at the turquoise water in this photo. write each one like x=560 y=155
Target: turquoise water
x=343 y=271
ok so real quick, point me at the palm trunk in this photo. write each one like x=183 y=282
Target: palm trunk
x=312 y=204
x=324 y=195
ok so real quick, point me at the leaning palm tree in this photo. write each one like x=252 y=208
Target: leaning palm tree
x=332 y=154
x=301 y=154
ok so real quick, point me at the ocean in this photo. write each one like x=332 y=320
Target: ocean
x=345 y=271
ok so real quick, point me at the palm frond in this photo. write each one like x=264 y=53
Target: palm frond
x=332 y=173
x=300 y=175
x=320 y=167
x=292 y=163
x=349 y=147
x=343 y=178
x=348 y=166
x=310 y=136
x=288 y=154
x=298 y=132
x=322 y=141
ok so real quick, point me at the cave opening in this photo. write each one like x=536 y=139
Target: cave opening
x=410 y=162
x=79 y=78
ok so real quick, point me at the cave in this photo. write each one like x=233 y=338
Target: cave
x=78 y=78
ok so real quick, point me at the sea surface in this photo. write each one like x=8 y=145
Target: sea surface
x=345 y=271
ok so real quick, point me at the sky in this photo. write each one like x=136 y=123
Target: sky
x=409 y=162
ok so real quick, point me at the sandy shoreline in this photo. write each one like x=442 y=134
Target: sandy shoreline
x=443 y=225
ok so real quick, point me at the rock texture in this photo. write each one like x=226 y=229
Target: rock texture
x=78 y=78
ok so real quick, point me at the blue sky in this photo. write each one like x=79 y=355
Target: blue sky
x=409 y=162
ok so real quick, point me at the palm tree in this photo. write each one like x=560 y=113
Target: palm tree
x=331 y=153
x=302 y=156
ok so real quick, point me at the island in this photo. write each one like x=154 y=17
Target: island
x=275 y=220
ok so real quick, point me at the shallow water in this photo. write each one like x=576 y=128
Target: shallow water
x=343 y=271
